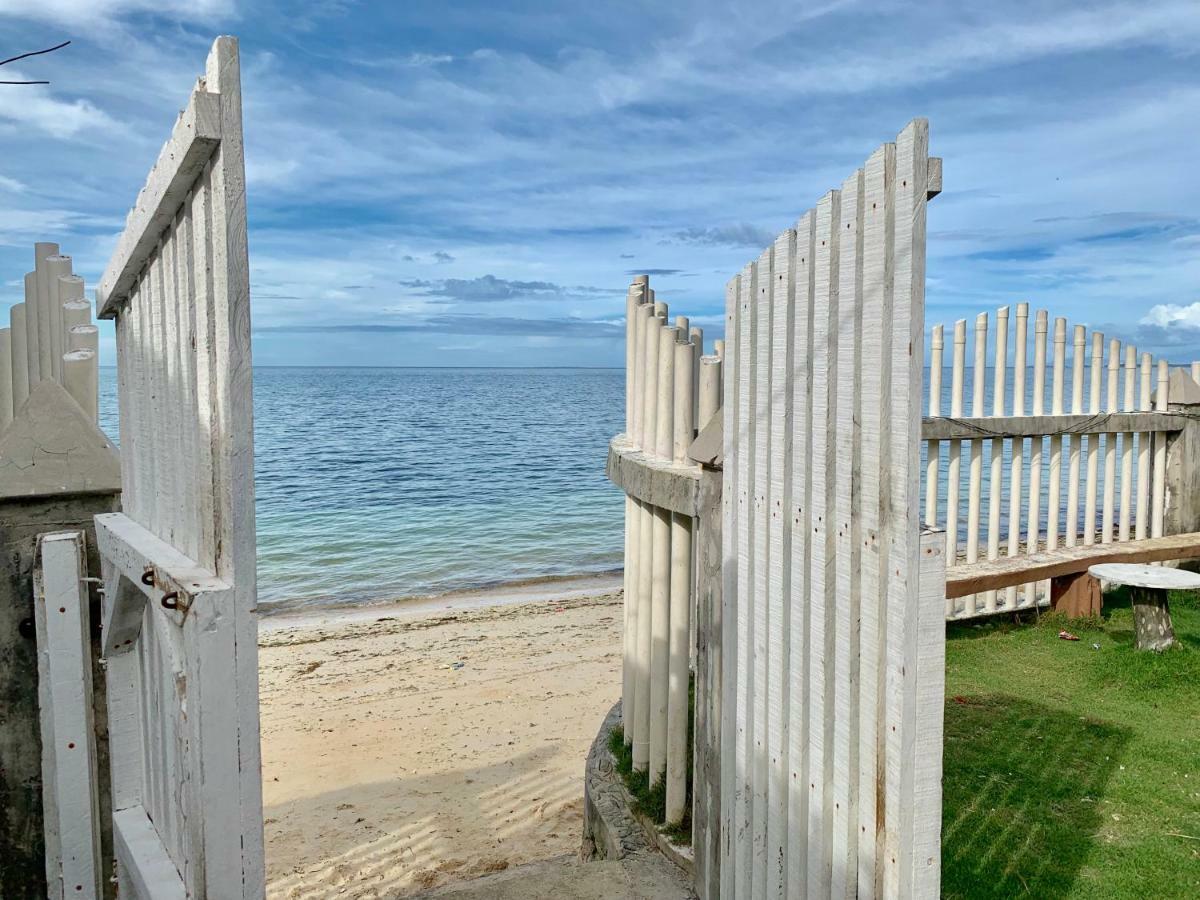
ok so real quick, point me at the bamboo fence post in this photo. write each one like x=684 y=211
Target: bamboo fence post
x=1034 y=524
x=978 y=382
x=1160 y=455
x=1127 y=446
x=660 y=591
x=1093 y=455
x=996 y=479
x=20 y=360
x=1110 y=446
x=1143 y=463
x=954 y=464
x=933 y=449
x=1078 y=363
x=1017 y=464
x=679 y=654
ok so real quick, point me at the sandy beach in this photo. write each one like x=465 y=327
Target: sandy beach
x=411 y=745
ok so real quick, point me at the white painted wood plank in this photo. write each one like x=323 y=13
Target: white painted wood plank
x=746 y=365
x=1127 y=446
x=954 y=464
x=847 y=236
x=1077 y=369
x=996 y=474
x=1110 y=445
x=1143 y=465
x=933 y=449
x=975 y=488
x=876 y=307
x=1093 y=447
x=801 y=492
x=193 y=140
x=1017 y=464
x=1158 y=500
x=781 y=289
x=821 y=585
x=144 y=869
x=1033 y=524
x=730 y=567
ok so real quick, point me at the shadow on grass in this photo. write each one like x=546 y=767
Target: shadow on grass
x=1019 y=795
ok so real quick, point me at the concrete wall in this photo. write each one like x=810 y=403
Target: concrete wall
x=46 y=454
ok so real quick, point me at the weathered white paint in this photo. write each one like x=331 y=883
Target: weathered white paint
x=841 y=675
x=183 y=688
x=70 y=801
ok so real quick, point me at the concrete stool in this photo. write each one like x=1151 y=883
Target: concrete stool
x=1148 y=590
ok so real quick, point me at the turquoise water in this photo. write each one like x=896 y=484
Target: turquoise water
x=384 y=483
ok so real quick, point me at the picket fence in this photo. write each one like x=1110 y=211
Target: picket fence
x=670 y=387
x=50 y=337
x=179 y=631
x=1029 y=466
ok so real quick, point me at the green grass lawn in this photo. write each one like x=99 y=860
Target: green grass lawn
x=1072 y=771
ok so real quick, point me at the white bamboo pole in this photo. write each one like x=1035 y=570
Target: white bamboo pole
x=1078 y=362
x=1020 y=347
x=679 y=654
x=6 y=395
x=57 y=267
x=1110 y=446
x=954 y=465
x=20 y=362
x=80 y=380
x=1143 y=465
x=45 y=348
x=933 y=449
x=33 y=356
x=710 y=390
x=696 y=337
x=1160 y=455
x=1093 y=455
x=975 y=489
x=996 y=480
x=1127 y=446
x=1034 y=525
x=660 y=591
x=649 y=328
x=1054 y=488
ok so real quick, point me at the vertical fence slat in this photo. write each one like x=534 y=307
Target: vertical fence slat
x=954 y=464
x=1157 y=508
x=782 y=300
x=731 y=663
x=1110 y=445
x=1078 y=363
x=1017 y=464
x=1056 y=442
x=1093 y=446
x=799 y=695
x=1127 y=445
x=996 y=476
x=1143 y=466
x=933 y=449
x=1034 y=522
x=975 y=489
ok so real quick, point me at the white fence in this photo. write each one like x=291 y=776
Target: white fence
x=833 y=596
x=179 y=568
x=670 y=387
x=1045 y=462
x=50 y=337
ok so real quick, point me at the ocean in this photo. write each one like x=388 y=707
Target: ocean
x=378 y=484
x=391 y=483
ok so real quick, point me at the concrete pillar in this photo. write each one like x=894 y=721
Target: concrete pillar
x=41 y=492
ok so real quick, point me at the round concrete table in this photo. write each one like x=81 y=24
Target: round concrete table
x=1148 y=586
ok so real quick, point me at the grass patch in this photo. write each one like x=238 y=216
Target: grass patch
x=650 y=800
x=1072 y=768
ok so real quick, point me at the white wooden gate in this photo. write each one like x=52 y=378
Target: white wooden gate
x=833 y=592
x=179 y=562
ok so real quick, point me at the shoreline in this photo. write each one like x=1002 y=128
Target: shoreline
x=530 y=590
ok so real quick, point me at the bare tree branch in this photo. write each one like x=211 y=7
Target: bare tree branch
x=26 y=56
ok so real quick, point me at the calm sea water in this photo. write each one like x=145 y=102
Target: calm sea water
x=383 y=483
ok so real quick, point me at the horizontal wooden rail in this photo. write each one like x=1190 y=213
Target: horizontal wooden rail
x=947 y=428
x=661 y=483
x=1014 y=570
x=193 y=140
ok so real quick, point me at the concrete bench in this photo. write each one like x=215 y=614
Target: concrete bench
x=1072 y=590
x=1148 y=586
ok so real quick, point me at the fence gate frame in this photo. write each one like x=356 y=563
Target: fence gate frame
x=179 y=626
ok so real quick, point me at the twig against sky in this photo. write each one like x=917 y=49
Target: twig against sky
x=26 y=56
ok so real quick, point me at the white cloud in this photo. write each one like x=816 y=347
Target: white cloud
x=1167 y=314
x=81 y=12
x=37 y=108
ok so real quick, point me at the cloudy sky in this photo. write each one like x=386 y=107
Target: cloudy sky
x=471 y=183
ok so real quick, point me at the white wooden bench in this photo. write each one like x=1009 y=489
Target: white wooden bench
x=1073 y=590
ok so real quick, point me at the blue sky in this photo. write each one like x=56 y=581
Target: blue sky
x=472 y=183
